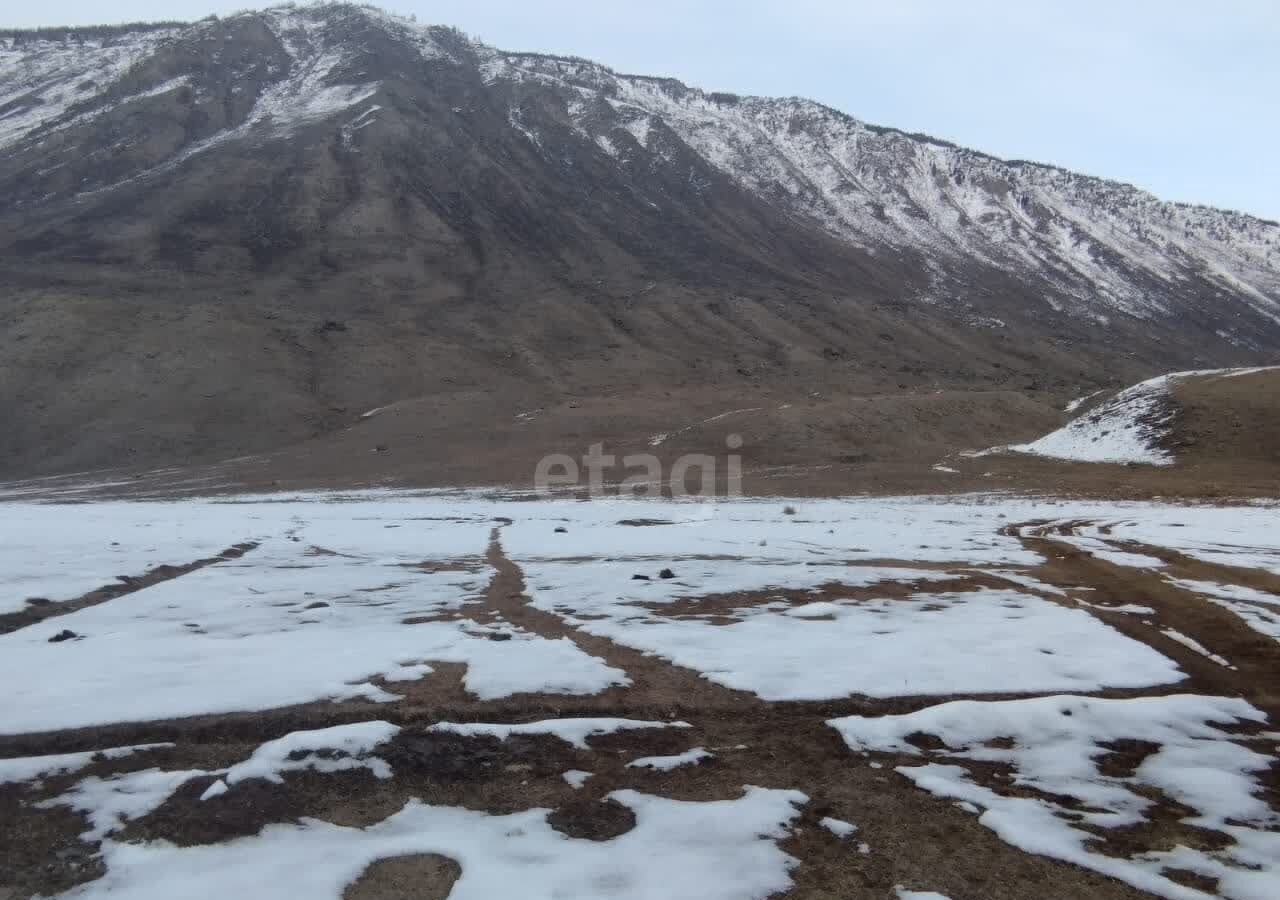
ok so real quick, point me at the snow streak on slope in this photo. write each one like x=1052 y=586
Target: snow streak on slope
x=881 y=189
x=30 y=768
x=1128 y=428
x=41 y=80
x=52 y=85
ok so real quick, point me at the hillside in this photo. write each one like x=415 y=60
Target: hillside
x=1183 y=417
x=227 y=237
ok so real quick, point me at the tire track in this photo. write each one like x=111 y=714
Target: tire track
x=656 y=683
x=128 y=584
x=1256 y=657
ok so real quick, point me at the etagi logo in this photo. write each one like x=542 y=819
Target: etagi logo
x=690 y=475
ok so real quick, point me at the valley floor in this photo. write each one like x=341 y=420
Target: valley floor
x=390 y=693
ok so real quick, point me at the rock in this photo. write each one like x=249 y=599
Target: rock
x=65 y=634
x=499 y=635
x=666 y=573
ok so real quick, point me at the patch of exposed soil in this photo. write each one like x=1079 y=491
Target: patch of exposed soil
x=1123 y=757
x=40 y=849
x=418 y=876
x=594 y=820
x=725 y=604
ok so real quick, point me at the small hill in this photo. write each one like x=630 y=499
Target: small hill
x=1198 y=416
x=1232 y=418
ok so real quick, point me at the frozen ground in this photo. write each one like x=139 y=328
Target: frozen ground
x=482 y=690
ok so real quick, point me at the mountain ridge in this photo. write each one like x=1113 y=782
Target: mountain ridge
x=79 y=31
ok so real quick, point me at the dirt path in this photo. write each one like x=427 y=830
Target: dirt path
x=1191 y=568
x=655 y=683
x=1255 y=657
x=128 y=584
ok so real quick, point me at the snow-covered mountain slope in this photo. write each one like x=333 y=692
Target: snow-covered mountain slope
x=43 y=80
x=1134 y=426
x=1108 y=245
x=1095 y=247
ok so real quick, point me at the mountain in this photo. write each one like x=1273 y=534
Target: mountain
x=223 y=237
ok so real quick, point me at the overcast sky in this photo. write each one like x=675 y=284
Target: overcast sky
x=1176 y=96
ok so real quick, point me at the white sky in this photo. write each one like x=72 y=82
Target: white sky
x=1177 y=96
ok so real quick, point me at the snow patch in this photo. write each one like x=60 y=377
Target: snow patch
x=925 y=644
x=1259 y=610
x=285 y=625
x=576 y=778
x=838 y=827
x=30 y=768
x=316 y=750
x=1195 y=645
x=1127 y=428
x=217 y=789
x=689 y=757
x=571 y=731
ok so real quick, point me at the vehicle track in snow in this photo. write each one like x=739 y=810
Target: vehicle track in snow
x=127 y=584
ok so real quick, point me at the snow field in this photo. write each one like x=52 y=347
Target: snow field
x=279 y=626
x=319 y=610
x=931 y=643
